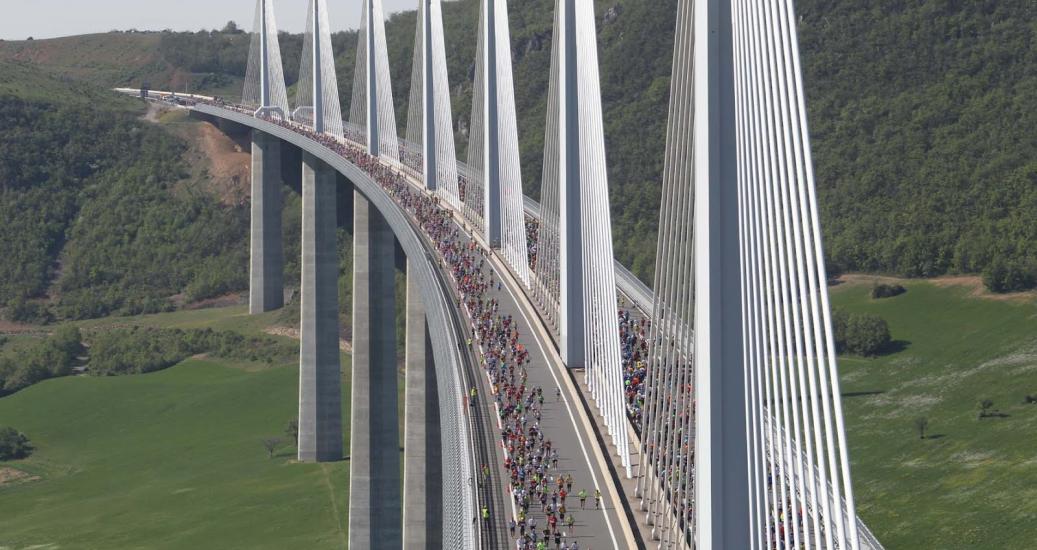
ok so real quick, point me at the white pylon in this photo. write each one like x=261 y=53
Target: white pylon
x=493 y=152
x=264 y=76
x=430 y=126
x=575 y=231
x=316 y=96
x=371 y=112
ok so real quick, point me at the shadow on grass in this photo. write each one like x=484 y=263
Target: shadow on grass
x=935 y=436
x=896 y=346
x=863 y=393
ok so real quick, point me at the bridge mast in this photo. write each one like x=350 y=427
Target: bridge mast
x=372 y=114
x=318 y=95
x=721 y=483
x=493 y=199
x=747 y=319
x=428 y=114
x=491 y=117
x=576 y=266
x=264 y=77
x=264 y=84
x=430 y=126
x=372 y=82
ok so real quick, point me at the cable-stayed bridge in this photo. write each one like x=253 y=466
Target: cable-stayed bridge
x=704 y=413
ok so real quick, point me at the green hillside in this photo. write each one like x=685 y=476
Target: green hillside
x=26 y=81
x=117 y=59
x=101 y=213
x=921 y=116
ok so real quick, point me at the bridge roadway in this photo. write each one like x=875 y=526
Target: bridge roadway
x=565 y=421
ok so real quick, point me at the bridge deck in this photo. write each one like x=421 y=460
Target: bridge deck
x=564 y=422
x=568 y=422
x=564 y=426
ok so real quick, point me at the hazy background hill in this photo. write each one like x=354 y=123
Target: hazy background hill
x=921 y=115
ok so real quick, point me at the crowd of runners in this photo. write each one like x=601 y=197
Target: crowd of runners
x=633 y=341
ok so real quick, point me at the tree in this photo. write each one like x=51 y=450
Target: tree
x=292 y=430
x=867 y=334
x=984 y=407
x=271 y=445
x=14 y=444
x=1009 y=276
x=231 y=28
x=921 y=424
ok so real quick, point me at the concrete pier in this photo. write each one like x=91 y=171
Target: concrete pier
x=320 y=376
x=375 y=518
x=422 y=457
x=266 y=265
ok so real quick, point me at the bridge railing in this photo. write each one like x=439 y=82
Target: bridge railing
x=867 y=539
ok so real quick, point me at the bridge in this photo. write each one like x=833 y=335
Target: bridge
x=704 y=413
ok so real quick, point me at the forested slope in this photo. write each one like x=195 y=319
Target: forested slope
x=921 y=115
x=92 y=223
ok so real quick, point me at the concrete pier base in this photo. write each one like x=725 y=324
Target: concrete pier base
x=375 y=519
x=266 y=266
x=422 y=457
x=320 y=376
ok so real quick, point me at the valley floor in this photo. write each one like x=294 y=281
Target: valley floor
x=175 y=459
x=971 y=482
x=172 y=459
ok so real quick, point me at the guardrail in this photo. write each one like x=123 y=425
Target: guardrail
x=867 y=539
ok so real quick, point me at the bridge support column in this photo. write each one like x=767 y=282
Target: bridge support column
x=266 y=270
x=320 y=376
x=375 y=520
x=422 y=461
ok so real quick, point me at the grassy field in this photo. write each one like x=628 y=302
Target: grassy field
x=972 y=483
x=172 y=459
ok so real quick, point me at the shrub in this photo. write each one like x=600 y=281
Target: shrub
x=52 y=357
x=860 y=333
x=14 y=444
x=141 y=350
x=883 y=290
